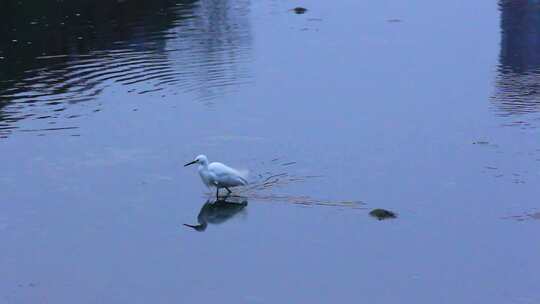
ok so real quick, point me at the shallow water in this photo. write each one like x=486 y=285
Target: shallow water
x=425 y=109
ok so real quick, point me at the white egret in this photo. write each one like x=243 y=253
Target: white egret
x=218 y=175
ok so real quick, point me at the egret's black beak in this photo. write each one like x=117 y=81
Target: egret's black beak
x=200 y=227
x=190 y=163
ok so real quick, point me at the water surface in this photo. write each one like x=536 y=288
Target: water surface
x=425 y=109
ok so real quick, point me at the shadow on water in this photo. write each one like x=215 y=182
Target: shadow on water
x=57 y=53
x=219 y=211
x=518 y=79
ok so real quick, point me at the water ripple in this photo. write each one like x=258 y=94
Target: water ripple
x=198 y=47
x=270 y=186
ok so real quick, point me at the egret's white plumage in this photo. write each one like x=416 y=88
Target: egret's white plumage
x=218 y=175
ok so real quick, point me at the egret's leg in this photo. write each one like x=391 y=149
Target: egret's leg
x=217 y=192
x=229 y=190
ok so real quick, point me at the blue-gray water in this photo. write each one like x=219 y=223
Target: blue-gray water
x=427 y=108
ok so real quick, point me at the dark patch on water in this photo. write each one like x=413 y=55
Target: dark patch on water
x=299 y=10
x=382 y=214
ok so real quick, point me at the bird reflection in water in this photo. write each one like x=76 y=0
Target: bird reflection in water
x=219 y=211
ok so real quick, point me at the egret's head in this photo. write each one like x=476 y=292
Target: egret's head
x=201 y=159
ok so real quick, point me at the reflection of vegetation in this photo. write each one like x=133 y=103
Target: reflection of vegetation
x=520 y=40
x=31 y=29
x=54 y=53
x=219 y=211
x=518 y=82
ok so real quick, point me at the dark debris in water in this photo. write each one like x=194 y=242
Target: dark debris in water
x=300 y=10
x=480 y=142
x=382 y=214
x=31 y=285
x=485 y=143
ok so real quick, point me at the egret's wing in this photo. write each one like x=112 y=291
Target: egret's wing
x=227 y=175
